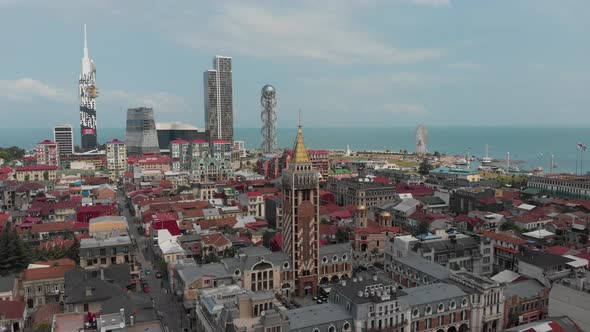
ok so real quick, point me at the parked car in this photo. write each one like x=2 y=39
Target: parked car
x=148 y=271
x=159 y=275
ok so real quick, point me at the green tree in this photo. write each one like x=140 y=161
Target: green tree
x=27 y=177
x=425 y=167
x=341 y=236
x=436 y=154
x=46 y=175
x=73 y=251
x=324 y=221
x=422 y=228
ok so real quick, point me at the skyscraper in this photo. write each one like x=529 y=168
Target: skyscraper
x=140 y=134
x=219 y=110
x=63 y=135
x=88 y=93
x=301 y=218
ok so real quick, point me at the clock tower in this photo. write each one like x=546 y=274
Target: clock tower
x=301 y=218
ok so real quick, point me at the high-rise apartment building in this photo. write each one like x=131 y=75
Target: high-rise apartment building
x=116 y=159
x=140 y=134
x=301 y=218
x=88 y=93
x=63 y=135
x=219 y=111
x=46 y=153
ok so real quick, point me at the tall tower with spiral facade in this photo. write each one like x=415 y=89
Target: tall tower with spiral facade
x=268 y=101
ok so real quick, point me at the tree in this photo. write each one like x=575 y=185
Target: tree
x=43 y=327
x=73 y=251
x=324 y=221
x=27 y=177
x=436 y=154
x=422 y=228
x=14 y=255
x=341 y=236
x=425 y=167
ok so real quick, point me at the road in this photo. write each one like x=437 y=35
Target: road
x=173 y=315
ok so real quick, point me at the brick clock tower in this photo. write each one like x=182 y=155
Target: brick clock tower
x=301 y=219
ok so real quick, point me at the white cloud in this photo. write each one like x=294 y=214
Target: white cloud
x=161 y=101
x=405 y=109
x=27 y=89
x=312 y=31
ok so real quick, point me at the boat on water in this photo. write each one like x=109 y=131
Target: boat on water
x=461 y=162
x=486 y=159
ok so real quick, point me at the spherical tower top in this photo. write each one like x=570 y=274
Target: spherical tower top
x=361 y=207
x=385 y=214
x=268 y=91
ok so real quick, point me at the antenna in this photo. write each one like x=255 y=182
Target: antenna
x=300 y=117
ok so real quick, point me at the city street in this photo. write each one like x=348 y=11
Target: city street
x=173 y=316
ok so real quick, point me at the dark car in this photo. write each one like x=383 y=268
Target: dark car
x=146 y=289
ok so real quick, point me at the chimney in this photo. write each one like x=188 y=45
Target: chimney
x=122 y=312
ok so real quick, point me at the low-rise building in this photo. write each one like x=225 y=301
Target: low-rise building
x=43 y=282
x=360 y=191
x=505 y=248
x=543 y=266
x=373 y=302
x=526 y=301
x=9 y=286
x=36 y=173
x=12 y=316
x=437 y=307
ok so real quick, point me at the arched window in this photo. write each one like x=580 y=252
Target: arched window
x=464 y=302
x=286 y=265
x=428 y=310
x=415 y=313
x=335 y=258
x=316 y=330
x=324 y=259
x=441 y=307
x=331 y=328
x=237 y=272
x=453 y=305
x=346 y=326
x=344 y=257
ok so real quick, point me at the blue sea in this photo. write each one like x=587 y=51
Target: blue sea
x=533 y=145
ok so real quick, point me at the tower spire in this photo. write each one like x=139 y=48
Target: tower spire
x=85 y=43
x=300 y=154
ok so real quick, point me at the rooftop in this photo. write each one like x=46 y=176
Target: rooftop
x=542 y=259
x=316 y=315
x=432 y=293
x=425 y=266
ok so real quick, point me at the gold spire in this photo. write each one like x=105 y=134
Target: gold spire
x=299 y=151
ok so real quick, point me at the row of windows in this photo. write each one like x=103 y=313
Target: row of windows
x=332 y=328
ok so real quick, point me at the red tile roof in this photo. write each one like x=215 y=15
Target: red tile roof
x=51 y=272
x=115 y=141
x=558 y=250
x=215 y=239
x=36 y=168
x=505 y=238
x=12 y=309
x=58 y=226
x=44 y=142
x=178 y=141
x=198 y=140
x=528 y=218
x=166 y=223
x=218 y=141
x=469 y=220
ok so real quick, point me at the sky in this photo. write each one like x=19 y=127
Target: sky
x=343 y=63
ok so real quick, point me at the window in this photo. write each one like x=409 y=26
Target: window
x=464 y=302
x=453 y=304
x=428 y=310
x=441 y=307
x=346 y=326
x=344 y=257
x=440 y=320
x=237 y=272
x=331 y=328
x=286 y=265
x=316 y=330
x=335 y=258
x=415 y=313
x=324 y=259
